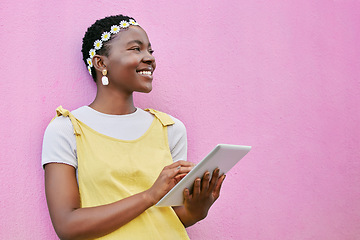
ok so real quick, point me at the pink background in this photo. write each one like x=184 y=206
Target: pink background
x=281 y=76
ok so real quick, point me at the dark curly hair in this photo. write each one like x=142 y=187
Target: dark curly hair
x=94 y=33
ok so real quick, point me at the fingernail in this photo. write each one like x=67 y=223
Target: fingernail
x=224 y=177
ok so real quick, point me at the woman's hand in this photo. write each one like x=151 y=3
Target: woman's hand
x=168 y=178
x=205 y=193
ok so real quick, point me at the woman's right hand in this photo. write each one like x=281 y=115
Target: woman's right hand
x=168 y=178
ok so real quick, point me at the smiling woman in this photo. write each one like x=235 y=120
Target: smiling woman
x=107 y=164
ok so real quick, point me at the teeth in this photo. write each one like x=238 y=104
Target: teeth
x=145 y=72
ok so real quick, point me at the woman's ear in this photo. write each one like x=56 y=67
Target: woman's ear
x=99 y=62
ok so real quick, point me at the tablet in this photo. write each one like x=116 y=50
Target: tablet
x=223 y=156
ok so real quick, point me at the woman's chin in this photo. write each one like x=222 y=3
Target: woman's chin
x=149 y=90
x=146 y=90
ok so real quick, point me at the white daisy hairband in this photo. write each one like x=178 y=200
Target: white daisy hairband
x=105 y=37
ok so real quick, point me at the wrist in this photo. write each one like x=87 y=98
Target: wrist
x=186 y=216
x=196 y=214
x=148 y=198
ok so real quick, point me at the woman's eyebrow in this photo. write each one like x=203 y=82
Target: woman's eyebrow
x=138 y=42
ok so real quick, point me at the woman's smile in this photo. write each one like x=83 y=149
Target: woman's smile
x=147 y=72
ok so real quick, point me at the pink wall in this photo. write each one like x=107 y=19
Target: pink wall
x=282 y=76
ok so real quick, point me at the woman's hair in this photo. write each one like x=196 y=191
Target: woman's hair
x=94 y=33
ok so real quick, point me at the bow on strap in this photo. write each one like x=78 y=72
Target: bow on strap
x=163 y=117
x=60 y=111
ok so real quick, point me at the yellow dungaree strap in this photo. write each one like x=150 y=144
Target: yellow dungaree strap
x=163 y=117
x=61 y=111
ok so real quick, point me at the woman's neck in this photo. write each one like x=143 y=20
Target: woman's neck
x=113 y=102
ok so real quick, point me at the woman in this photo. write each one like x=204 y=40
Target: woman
x=108 y=164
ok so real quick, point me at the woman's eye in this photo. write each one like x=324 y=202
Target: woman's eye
x=151 y=51
x=136 y=49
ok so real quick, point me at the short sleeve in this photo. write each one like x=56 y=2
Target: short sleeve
x=59 y=143
x=177 y=140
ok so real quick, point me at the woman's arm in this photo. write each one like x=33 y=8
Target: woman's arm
x=197 y=204
x=72 y=222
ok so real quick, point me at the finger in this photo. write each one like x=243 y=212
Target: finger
x=184 y=169
x=186 y=195
x=205 y=182
x=170 y=173
x=182 y=163
x=196 y=190
x=174 y=165
x=214 y=179
x=217 y=189
x=187 y=163
x=179 y=177
x=179 y=164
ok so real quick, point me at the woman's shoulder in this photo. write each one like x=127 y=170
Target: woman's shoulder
x=178 y=124
x=58 y=124
x=177 y=139
x=61 y=127
x=59 y=143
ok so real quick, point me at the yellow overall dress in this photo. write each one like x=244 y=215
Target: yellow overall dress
x=110 y=169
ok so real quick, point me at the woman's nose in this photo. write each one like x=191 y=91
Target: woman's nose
x=149 y=58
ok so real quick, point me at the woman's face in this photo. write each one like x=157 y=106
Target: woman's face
x=130 y=63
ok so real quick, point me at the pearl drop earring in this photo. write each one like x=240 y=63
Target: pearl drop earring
x=104 y=79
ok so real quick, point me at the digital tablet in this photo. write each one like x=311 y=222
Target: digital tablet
x=223 y=156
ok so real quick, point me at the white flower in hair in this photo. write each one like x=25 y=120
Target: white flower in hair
x=115 y=29
x=89 y=61
x=89 y=69
x=105 y=36
x=92 y=53
x=132 y=22
x=124 y=24
x=98 y=44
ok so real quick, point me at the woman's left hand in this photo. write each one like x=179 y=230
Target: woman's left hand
x=205 y=193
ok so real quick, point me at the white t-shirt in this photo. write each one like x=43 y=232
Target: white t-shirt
x=59 y=144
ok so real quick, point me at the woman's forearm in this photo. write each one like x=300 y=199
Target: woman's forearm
x=87 y=223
